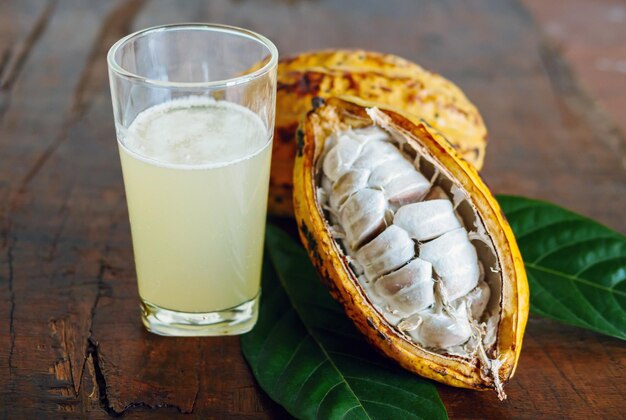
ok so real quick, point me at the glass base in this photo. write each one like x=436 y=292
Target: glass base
x=233 y=321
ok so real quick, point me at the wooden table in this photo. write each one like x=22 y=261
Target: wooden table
x=70 y=338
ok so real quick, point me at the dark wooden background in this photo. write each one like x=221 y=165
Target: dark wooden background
x=70 y=338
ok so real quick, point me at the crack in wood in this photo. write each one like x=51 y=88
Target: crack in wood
x=12 y=307
x=115 y=25
x=4 y=61
x=199 y=368
x=103 y=395
x=104 y=266
x=15 y=65
x=15 y=62
x=74 y=388
x=61 y=227
x=572 y=95
x=63 y=366
x=41 y=160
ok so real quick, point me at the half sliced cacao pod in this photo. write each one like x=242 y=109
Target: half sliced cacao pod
x=412 y=243
x=382 y=78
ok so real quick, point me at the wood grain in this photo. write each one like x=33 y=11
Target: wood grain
x=590 y=36
x=70 y=338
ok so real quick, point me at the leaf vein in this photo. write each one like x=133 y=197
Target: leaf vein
x=297 y=393
x=596 y=262
x=343 y=416
x=594 y=309
x=328 y=391
x=568 y=245
x=402 y=390
x=411 y=414
x=574 y=278
x=291 y=358
x=562 y=305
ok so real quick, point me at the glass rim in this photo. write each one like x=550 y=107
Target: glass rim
x=214 y=27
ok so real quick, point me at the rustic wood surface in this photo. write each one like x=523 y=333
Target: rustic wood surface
x=71 y=342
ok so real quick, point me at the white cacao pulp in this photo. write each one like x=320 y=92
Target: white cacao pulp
x=414 y=241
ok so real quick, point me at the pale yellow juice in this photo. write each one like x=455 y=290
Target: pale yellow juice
x=196 y=175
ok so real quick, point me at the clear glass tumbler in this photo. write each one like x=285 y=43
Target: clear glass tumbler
x=194 y=115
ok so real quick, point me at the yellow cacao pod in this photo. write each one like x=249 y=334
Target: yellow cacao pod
x=411 y=242
x=381 y=78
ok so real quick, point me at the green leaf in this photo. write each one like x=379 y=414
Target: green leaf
x=306 y=354
x=576 y=267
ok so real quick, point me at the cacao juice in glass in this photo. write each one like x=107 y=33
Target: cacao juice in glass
x=194 y=114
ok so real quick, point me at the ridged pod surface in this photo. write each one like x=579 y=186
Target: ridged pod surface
x=382 y=78
x=488 y=363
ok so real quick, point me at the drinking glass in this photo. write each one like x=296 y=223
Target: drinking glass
x=194 y=114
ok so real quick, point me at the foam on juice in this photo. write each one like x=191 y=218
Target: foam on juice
x=196 y=131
